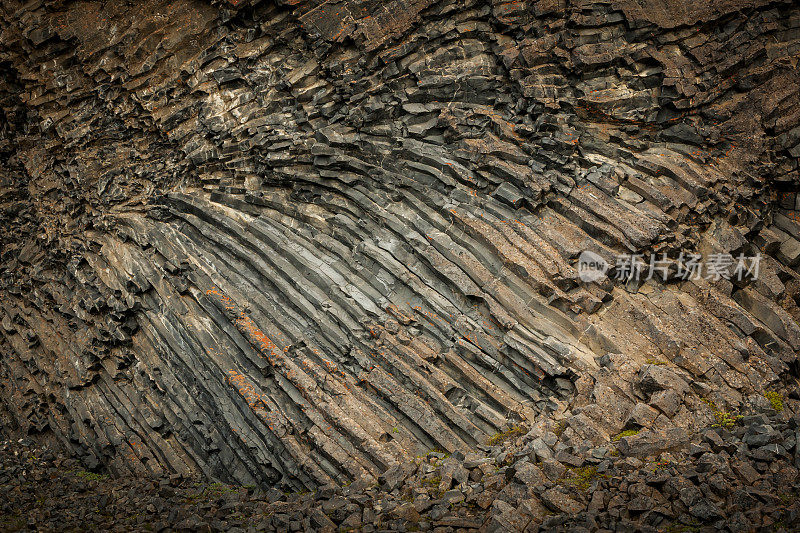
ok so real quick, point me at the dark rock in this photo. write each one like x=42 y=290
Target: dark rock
x=394 y=477
x=653 y=378
x=667 y=401
x=705 y=510
x=509 y=194
x=641 y=504
x=290 y=245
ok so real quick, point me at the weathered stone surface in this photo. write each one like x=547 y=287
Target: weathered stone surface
x=560 y=502
x=301 y=244
x=667 y=401
x=692 y=481
x=653 y=442
x=641 y=416
x=653 y=378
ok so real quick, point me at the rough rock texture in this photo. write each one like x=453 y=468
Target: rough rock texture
x=294 y=244
x=741 y=478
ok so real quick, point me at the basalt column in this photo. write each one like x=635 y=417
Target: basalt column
x=294 y=243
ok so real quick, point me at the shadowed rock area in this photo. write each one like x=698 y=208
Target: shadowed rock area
x=304 y=245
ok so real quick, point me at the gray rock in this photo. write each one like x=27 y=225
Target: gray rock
x=505 y=517
x=667 y=401
x=560 y=502
x=761 y=435
x=569 y=459
x=394 y=477
x=541 y=449
x=641 y=504
x=553 y=469
x=641 y=416
x=655 y=378
x=292 y=244
x=453 y=496
x=705 y=510
x=529 y=475
x=509 y=194
x=653 y=443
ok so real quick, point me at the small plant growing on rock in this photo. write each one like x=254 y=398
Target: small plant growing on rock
x=776 y=399
x=581 y=478
x=676 y=527
x=433 y=486
x=661 y=465
x=626 y=433
x=433 y=481
x=445 y=453
x=90 y=476
x=500 y=438
x=725 y=419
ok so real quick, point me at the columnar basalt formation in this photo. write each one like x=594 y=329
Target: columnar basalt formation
x=298 y=243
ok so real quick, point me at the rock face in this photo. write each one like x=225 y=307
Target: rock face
x=298 y=243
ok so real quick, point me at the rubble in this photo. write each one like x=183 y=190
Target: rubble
x=689 y=486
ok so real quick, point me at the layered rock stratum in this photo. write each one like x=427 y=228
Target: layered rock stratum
x=299 y=243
